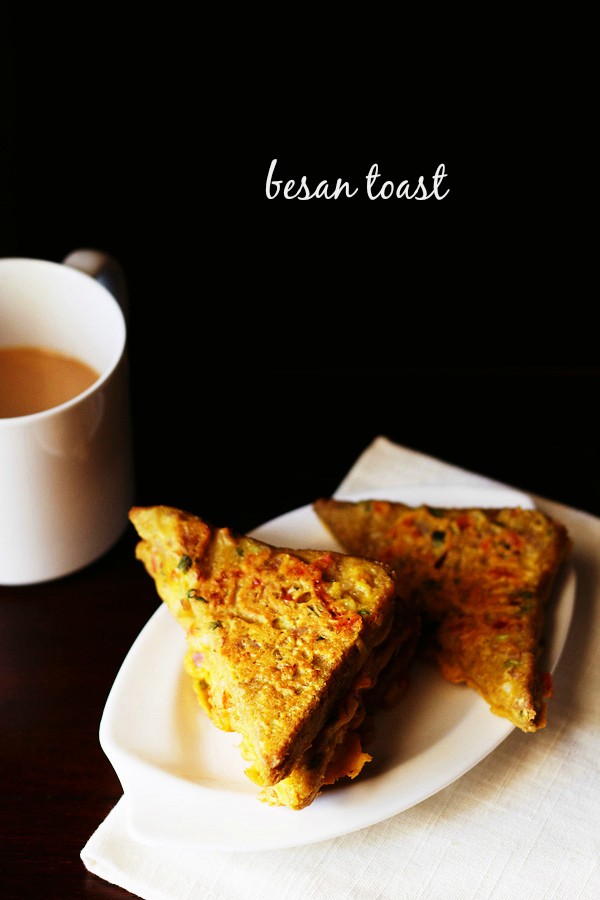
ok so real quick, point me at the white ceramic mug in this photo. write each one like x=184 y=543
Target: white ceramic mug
x=66 y=473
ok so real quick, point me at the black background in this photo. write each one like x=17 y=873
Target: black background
x=271 y=340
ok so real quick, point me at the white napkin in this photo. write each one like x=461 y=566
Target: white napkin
x=524 y=823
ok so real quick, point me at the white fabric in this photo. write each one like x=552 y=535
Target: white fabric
x=524 y=823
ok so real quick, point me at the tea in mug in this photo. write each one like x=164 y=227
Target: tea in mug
x=33 y=379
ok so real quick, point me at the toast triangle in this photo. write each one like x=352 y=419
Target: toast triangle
x=277 y=639
x=481 y=578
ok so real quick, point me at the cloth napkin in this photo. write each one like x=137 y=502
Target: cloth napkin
x=523 y=823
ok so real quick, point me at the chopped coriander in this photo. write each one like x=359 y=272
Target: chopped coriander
x=509 y=663
x=184 y=563
x=437 y=513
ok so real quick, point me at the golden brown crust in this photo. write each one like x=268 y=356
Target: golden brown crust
x=482 y=579
x=276 y=637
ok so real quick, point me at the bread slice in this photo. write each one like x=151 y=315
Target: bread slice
x=282 y=644
x=481 y=577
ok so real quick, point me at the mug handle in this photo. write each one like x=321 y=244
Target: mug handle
x=102 y=268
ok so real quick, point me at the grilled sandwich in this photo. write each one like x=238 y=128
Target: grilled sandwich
x=481 y=578
x=284 y=646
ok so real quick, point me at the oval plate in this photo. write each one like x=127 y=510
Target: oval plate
x=184 y=779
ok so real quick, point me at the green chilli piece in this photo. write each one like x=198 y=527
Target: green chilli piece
x=184 y=563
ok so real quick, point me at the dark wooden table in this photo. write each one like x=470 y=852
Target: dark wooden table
x=61 y=645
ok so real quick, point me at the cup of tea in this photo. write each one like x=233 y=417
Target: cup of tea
x=66 y=460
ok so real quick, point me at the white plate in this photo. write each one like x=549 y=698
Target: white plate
x=184 y=779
